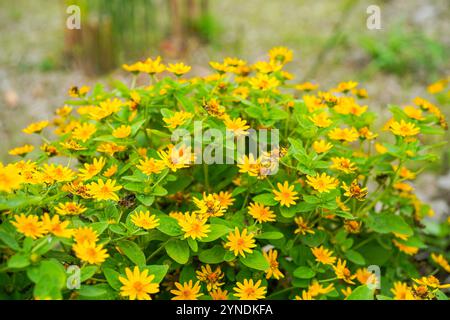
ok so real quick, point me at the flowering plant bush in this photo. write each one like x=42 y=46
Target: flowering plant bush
x=110 y=207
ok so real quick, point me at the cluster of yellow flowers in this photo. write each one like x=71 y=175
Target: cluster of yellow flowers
x=108 y=191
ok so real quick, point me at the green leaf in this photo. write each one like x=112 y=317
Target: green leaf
x=266 y=199
x=304 y=272
x=315 y=239
x=288 y=212
x=112 y=276
x=9 y=240
x=168 y=225
x=50 y=279
x=216 y=231
x=87 y=272
x=361 y=293
x=272 y=235
x=381 y=297
x=355 y=257
x=18 y=261
x=91 y=291
x=214 y=255
x=178 y=250
x=132 y=251
x=146 y=200
x=256 y=261
x=192 y=244
x=159 y=271
x=388 y=222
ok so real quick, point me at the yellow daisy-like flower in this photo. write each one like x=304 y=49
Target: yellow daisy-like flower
x=178 y=119
x=210 y=277
x=321 y=120
x=90 y=252
x=380 y=148
x=441 y=261
x=209 y=206
x=145 y=220
x=264 y=82
x=273 y=271
x=29 y=225
x=352 y=226
x=307 y=86
x=70 y=208
x=343 y=164
x=238 y=126
x=178 y=69
x=57 y=173
x=437 y=86
x=404 y=129
x=76 y=92
x=152 y=67
x=402 y=291
x=342 y=272
x=219 y=294
x=322 y=182
x=248 y=290
x=305 y=296
x=431 y=282
x=321 y=146
x=194 y=226
x=346 y=134
x=122 y=132
x=84 y=131
x=138 y=285
x=91 y=169
x=261 y=213
x=250 y=165
x=36 y=127
x=323 y=255
x=413 y=113
x=21 y=151
x=56 y=227
x=285 y=194
x=104 y=191
x=150 y=166
x=225 y=198
x=315 y=288
x=240 y=243
x=280 y=54
x=85 y=234
x=302 y=226
x=110 y=171
x=177 y=157
x=186 y=291
x=10 y=178
x=346 y=86
x=355 y=190
x=364 y=276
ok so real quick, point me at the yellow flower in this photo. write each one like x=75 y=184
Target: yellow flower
x=321 y=120
x=57 y=173
x=122 y=132
x=110 y=171
x=225 y=198
x=211 y=278
x=437 y=86
x=84 y=132
x=313 y=103
x=178 y=69
x=380 y=148
x=322 y=182
x=240 y=243
x=323 y=255
x=343 y=164
x=55 y=226
x=219 y=294
x=138 y=285
x=110 y=148
x=346 y=86
x=403 y=187
x=237 y=126
x=21 y=151
x=315 y=288
x=305 y=296
x=355 y=190
x=266 y=67
x=346 y=292
x=70 y=208
x=85 y=234
x=134 y=68
x=64 y=111
x=91 y=169
x=365 y=133
x=177 y=157
x=187 y=291
x=194 y=226
x=36 y=127
x=152 y=67
x=261 y=213
x=409 y=250
x=10 y=178
x=271 y=257
x=264 y=82
x=441 y=261
x=413 y=113
x=247 y=290
x=29 y=225
x=348 y=135
x=342 y=272
x=307 y=86
x=402 y=291
x=104 y=191
x=352 y=226
x=150 y=166
x=404 y=129
x=321 y=146
x=431 y=282
x=145 y=220
x=364 y=276
x=280 y=54
x=209 y=206
x=248 y=164
x=178 y=119
x=285 y=194
x=302 y=226
x=90 y=252
x=76 y=92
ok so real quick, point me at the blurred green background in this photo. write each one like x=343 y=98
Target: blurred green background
x=40 y=58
